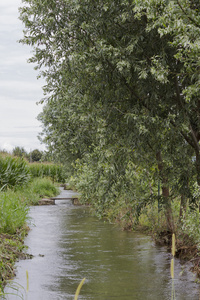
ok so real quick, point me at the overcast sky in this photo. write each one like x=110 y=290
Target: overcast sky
x=19 y=87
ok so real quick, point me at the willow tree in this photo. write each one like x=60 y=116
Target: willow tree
x=179 y=21
x=118 y=70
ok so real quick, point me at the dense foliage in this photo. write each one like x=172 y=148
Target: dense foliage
x=122 y=97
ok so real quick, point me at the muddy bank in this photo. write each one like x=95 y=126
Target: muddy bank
x=186 y=249
x=12 y=249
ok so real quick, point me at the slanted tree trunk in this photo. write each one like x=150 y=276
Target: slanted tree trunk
x=165 y=193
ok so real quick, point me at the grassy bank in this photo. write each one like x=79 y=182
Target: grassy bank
x=14 y=208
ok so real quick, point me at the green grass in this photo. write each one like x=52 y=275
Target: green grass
x=13 y=217
x=14 y=205
x=44 y=187
x=13 y=212
x=38 y=188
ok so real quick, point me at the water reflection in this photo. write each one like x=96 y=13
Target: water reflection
x=69 y=244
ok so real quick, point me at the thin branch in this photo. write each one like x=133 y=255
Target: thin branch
x=185 y=13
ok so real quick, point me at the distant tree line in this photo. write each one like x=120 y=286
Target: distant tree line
x=32 y=156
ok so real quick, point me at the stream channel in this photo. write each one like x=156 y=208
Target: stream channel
x=68 y=244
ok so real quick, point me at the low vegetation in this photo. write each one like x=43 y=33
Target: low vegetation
x=13 y=212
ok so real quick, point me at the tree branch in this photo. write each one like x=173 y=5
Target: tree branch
x=189 y=18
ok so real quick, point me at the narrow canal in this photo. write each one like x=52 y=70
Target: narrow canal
x=69 y=244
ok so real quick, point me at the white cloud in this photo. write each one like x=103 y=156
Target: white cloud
x=18 y=124
x=16 y=113
x=19 y=88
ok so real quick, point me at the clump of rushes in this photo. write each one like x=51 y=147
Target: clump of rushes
x=13 y=172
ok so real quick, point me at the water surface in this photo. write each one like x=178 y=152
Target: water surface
x=69 y=244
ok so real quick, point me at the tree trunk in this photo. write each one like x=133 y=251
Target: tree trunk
x=198 y=167
x=183 y=206
x=165 y=193
x=198 y=170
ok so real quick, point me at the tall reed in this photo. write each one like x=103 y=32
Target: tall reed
x=53 y=171
x=13 y=172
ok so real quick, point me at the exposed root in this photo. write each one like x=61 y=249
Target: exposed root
x=186 y=250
